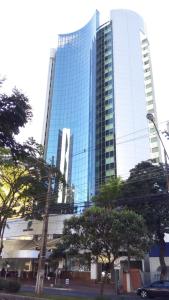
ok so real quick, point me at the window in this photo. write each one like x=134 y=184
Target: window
x=152 y=130
x=109 y=92
x=110 y=143
x=150 y=111
x=110 y=121
x=145 y=55
x=109 y=154
x=147 y=70
x=108 y=49
x=148 y=85
x=150 y=102
x=148 y=77
x=108 y=74
x=108 y=65
x=107 y=29
x=153 y=140
x=109 y=131
x=109 y=166
x=108 y=101
x=149 y=94
x=155 y=149
x=145 y=41
x=107 y=56
x=108 y=83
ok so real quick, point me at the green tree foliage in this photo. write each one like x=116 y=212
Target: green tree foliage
x=12 y=187
x=24 y=174
x=19 y=190
x=105 y=233
x=15 y=112
x=109 y=193
x=145 y=193
x=23 y=187
x=145 y=179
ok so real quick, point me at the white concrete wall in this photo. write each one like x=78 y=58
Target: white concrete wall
x=93 y=274
x=132 y=136
x=154 y=263
x=16 y=227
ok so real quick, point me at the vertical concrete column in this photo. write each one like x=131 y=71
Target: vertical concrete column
x=128 y=282
x=93 y=272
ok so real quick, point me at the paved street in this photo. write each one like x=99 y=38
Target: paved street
x=82 y=291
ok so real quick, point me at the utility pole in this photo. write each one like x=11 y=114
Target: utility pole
x=42 y=258
x=166 y=170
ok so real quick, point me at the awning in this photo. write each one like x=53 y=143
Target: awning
x=19 y=249
x=25 y=248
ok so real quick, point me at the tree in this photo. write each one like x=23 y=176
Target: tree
x=9 y=195
x=15 y=112
x=145 y=193
x=23 y=185
x=105 y=233
x=109 y=193
x=145 y=179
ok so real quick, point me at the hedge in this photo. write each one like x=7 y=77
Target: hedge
x=9 y=285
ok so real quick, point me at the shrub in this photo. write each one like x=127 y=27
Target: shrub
x=12 y=286
x=2 y=284
x=9 y=285
x=103 y=298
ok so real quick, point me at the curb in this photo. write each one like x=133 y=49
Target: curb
x=4 y=296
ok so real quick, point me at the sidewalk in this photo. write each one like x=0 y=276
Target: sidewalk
x=75 y=288
x=82 y=286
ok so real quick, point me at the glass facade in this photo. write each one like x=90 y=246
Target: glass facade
x=72 y=108
x=100 y=89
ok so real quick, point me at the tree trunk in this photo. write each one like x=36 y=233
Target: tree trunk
x=2 y=229
x=1 y=246
x=128 y=260
x=161 y=257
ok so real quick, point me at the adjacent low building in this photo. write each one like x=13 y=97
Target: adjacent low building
x=22 y=242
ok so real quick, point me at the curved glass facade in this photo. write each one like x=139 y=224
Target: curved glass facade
x=70 y=132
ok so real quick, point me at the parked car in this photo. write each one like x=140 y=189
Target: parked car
x=154 y=289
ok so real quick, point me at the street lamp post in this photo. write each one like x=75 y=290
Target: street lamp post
x=150 y=117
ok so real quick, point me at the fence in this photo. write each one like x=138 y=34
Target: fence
x=148 y=277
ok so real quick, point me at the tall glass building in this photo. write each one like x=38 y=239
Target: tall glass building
x=100 y=88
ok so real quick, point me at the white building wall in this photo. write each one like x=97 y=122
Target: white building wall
x=16 y=228
x=155 y=264
x=132 y=136
x=94 y=271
